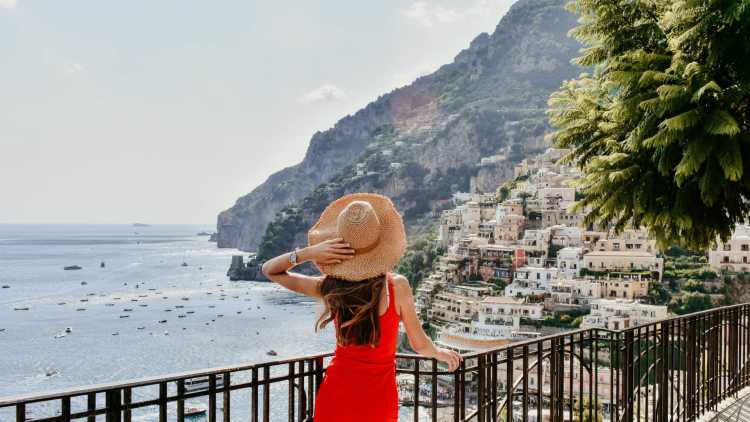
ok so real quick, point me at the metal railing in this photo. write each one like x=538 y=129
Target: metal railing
x=671 y=370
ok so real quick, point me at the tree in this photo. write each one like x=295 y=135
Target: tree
x=694 y=286
x=691 y=302
x=658 y=294
x=661 y=127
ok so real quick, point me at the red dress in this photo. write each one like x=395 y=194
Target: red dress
x=360 y=382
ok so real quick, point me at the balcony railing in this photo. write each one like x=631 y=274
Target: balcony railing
x=672 y=370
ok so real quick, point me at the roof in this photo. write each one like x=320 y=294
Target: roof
x=502 y=300
x=620 y=253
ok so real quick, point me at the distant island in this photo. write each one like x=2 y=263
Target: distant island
x=141 y=225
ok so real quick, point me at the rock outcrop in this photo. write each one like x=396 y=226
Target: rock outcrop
x=423 y=142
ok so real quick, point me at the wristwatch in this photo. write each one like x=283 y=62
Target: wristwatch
x=293 y=257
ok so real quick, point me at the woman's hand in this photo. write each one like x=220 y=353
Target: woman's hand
x=453 y=359
x=327 y=252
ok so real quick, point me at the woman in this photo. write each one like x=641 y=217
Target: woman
x=355 y=244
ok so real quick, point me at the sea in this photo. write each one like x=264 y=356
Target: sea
x=147 y=301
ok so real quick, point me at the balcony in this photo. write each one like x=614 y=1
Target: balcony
x=678 y=369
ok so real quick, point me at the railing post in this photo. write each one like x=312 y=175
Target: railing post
x=664 y=384
x=21 y=412
x=509 y=386
x=113 y=404
x=628 y=375
x=690 y=377
x=481 y=391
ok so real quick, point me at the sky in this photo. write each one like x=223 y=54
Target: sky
x=167 y=111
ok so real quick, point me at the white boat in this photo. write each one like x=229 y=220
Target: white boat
x=201 y=383
x=195 y=411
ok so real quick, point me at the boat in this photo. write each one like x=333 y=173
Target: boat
x=271 y=353
x=202 y=383
x=184 y=264
x=72 y=268
x=195 y=411
x=81 y=309
x=141 y=225
x=124 y=316
x=21 y=308
x=141 y=328
x=64 y=332
x=83 y=283
x=102 y=264
x=162 y=321
x=5 y=286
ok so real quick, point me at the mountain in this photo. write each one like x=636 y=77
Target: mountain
x=459 y=128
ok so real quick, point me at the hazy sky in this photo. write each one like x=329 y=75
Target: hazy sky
x=166 y=111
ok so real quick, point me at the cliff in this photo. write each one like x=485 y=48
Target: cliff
x=420 y=143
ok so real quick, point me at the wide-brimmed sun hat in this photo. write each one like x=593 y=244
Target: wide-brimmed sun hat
x=370 y=224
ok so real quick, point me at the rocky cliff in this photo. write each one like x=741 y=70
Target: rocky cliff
x=420 y=143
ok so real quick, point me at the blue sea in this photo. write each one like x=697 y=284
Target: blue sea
x=142 y=271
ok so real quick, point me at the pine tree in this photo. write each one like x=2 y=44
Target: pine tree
x=661 y=127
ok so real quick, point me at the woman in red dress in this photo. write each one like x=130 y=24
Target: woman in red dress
x=357 y=241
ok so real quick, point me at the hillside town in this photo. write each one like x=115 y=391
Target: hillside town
x=520 y=258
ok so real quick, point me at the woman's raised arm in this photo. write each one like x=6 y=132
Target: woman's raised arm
x=327 y=252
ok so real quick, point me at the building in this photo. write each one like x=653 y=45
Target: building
x=569 y=261
x=734 y=254
x=498 y=322
x=540 y=275
x=602 y=262
x=577 y=293
x=619 y=314
x=458 y=303
x=624 y=286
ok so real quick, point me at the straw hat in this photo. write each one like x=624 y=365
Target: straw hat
x=371 y=225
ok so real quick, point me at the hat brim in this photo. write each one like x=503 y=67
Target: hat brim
x=375 y=261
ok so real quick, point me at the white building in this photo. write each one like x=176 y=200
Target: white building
x=541 y=275
x=620 y=314
x=577 y=292
x=624 y=261
x=569 y=261
x=733 y=255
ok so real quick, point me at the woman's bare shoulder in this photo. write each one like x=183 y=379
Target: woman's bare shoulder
x=400 y=283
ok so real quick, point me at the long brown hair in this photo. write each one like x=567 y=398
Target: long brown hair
x=354 y=307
